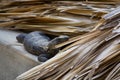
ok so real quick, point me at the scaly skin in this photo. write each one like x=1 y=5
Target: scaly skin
x=39 y=44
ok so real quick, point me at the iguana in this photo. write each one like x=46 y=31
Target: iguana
x=39 y=44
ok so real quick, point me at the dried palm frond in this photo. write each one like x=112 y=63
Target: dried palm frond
x=53 y=17
x=115 y=73
x=92 y=56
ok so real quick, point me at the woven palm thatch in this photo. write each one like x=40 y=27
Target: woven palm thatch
x=92 y=52
x=53 y=17
x=92 y=56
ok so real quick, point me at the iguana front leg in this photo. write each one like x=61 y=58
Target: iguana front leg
x=55 y=41
x=52 y=51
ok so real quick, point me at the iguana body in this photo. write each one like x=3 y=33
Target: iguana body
x=39 y=44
